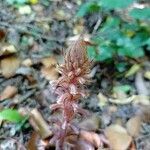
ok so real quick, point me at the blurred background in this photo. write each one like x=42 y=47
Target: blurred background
x=33 y=34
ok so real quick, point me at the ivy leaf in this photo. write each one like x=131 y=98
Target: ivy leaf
x=113 y=4
x=106 y=52
x=11 y=115
x=143 y=14
x=88 y=8
x=131 y=52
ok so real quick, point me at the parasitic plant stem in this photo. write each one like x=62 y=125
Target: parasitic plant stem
x=69 y=88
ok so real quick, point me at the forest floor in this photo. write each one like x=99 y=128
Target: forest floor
x=32 y=38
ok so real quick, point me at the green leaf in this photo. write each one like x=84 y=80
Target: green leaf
x=19 y=2
x=143 y=14
x=122 y=88
x=11 y=115
x=113 y=4
x=121 y=66
x=91 y=52
x=106 y=52
x=147 y=42
x=129 y=48
x=110 y=23
x=131 y=52
x=111 y=29
x=88 y=7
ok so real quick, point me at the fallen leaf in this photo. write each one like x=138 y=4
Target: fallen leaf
x=83 y=145
x=50 y=73
x=134 y=69
x=49 y=61
x=2 y=34
x=102 y=100
x=7 y=49
x=122 y=101
x=39 y=124
x=9 y=66
x=141 y=99
x=118 y=137
x=145 y=113
x=27 y=62
x=133 y=126
x=91 y=137
x=91 y=124
x=147 y=75
x=31 y=145
x=8 y=92
x=140 y=84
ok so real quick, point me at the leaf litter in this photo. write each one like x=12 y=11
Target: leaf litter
x=27 y=71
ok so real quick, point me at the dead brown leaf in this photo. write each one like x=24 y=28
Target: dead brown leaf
x=145 y=113
x=2 y=34
x=9 y=65
x=50 y=73
x=91 y=137
x=49 y=70
x=133 y=126
x=91 y=124
x=49 y=61
x=31 y=145
x=27 y=62
x=83 y=145
x=8 y=92
x=118 y=137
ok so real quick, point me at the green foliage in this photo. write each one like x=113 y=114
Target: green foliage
x=118 y=35
x=113 y=4
x=141 y=13
x=91 y=6
x=19 y=2
x=11 y=115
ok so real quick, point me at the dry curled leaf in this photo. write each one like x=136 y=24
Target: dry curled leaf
x=147 y=75
x=92 y=138
x=49 y=61
x=118 y=137
x=91 y=124
x=31 y=145
x=9 y=65
x=133 y=70
x=50 y=73
x=145 y=113
x=27 y=62
x=122 y=101
x=140 y=84
x=102 y=100
x=49 y=70
x=83 y=145
x=133 y=126
x=7 y=49
x=39 y=124
x=8 y=92
x=2 y=34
